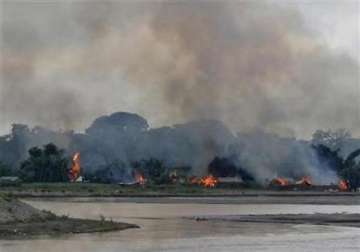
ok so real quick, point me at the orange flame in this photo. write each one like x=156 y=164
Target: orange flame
x=74 y=173
x=139 y=178
x=304 y=181
x=209 y=181
x=343 y=185
x=280 y=181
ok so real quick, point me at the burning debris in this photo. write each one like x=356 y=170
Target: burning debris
x=139 y=178
x=207 y=181
x=343 y=185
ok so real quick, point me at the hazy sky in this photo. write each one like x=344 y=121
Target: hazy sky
x=289 y=67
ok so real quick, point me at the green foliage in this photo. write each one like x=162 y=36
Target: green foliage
x=44 y=165
x=5 y=170
x=154 y=171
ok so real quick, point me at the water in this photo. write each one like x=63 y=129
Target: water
x=164 y=229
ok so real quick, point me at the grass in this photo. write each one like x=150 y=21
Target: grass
x=93 y=189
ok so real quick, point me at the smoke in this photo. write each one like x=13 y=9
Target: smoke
x=266 y=156
x=250 y=65
x=113 y=144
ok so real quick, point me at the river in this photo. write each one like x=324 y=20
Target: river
x=163 y=227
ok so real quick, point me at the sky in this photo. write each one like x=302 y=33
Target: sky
x=288 y=67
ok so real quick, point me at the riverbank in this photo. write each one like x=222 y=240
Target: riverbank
x=114 y=190
x=20 y=220
x=337 y=219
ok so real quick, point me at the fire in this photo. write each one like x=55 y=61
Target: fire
x=139 y=178
x=280 y=181
x=209 y=181
x=343 y=185
x=304 y=181
x=74 y=173
x=194 y=180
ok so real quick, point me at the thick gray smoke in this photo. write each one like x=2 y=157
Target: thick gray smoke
x=249 y=64
x=191 y=64
x=266 y=156
x=118 y=141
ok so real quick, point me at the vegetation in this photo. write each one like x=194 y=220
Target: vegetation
x=114 y=172
x=225 y=167
x=49 y=164
x=154 y=170
x=329 y=158
x=44 y=165
x=352 y=175
x=114 y=190
x=347 y=168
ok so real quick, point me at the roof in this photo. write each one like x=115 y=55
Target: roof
x=230 y=180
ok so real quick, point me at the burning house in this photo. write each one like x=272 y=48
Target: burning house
x=304 y=181
x=231 y=182
x=74 y=173
x=279 y=182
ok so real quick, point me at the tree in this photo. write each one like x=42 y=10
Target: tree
x=114 y=172
x=352 y=175
x=329 y=158
x=346 y=168
x=351 y=170
x=45 y=165
x=5 y=170
x=331 y=139
x=222 y=167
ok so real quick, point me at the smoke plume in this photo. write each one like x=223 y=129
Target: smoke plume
x=248 y=64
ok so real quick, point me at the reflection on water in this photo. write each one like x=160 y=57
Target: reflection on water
x=163 y=229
